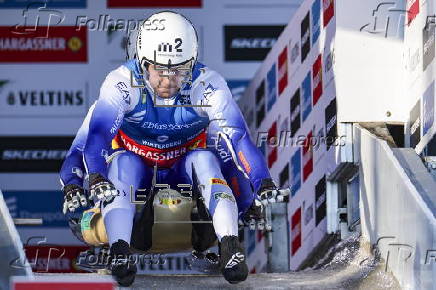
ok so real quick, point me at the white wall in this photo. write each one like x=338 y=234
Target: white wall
x=13 y=260
x=369 y=72
x=384 y=65
x=369 y=61
x=397 y=209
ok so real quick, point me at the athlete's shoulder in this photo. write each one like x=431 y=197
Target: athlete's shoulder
x=204 y=75
x=209 y=88
x=120 y=74
x=117 y=87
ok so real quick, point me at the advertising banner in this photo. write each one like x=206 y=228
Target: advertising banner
x=153 y=3
x=328 y=11
x=296 y=231
x=271 y=81
x=307 y=157
x=48 y=98
x=415 y=124
x=295 y=112
x=249 y=42
x=306 y=93
x=428 y=107
x=295 y=172
x=412 y=10
x=284 y=177
x=43 y=44
x=305 y=37
x=282 y=62
x=260 y=103
x=317 y=80
x=428 y=45
x=330 y=123
x=33 y=154
x=54 y=258
x=165 y=264
x=308 y=106
x=48 y=4
x=316 y=20
x=320 y=200
x=237 y=88
x=46 y=205
x=272 y=151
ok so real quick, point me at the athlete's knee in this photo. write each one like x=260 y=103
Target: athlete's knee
x=204 y=162
x=122 y=201
x=127 y=158
x=202 y=156
x=127 y=168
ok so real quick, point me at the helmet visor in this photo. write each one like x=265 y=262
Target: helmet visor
x=168 y=79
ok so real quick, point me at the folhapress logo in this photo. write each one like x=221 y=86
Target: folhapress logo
x=154 y=24
x=31 y=16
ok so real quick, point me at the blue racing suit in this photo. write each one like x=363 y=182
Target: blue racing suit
x=129 y=118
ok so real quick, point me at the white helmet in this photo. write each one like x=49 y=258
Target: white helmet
x=168 y=39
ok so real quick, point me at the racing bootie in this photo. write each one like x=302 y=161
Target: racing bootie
x=232 y=260
x=123 y=269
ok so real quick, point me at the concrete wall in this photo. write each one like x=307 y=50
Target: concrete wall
x=397 y=209
x=12 y=260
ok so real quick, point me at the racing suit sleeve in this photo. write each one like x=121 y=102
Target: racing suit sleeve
x=113 y=102
x=72 y=168
x=227 y=124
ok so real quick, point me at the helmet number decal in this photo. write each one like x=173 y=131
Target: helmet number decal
x=167 y=47
x=178 y=42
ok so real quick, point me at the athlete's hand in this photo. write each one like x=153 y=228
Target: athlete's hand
x=269 y=193
x=254 y=217
x=74 y=197
x=101 y=188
